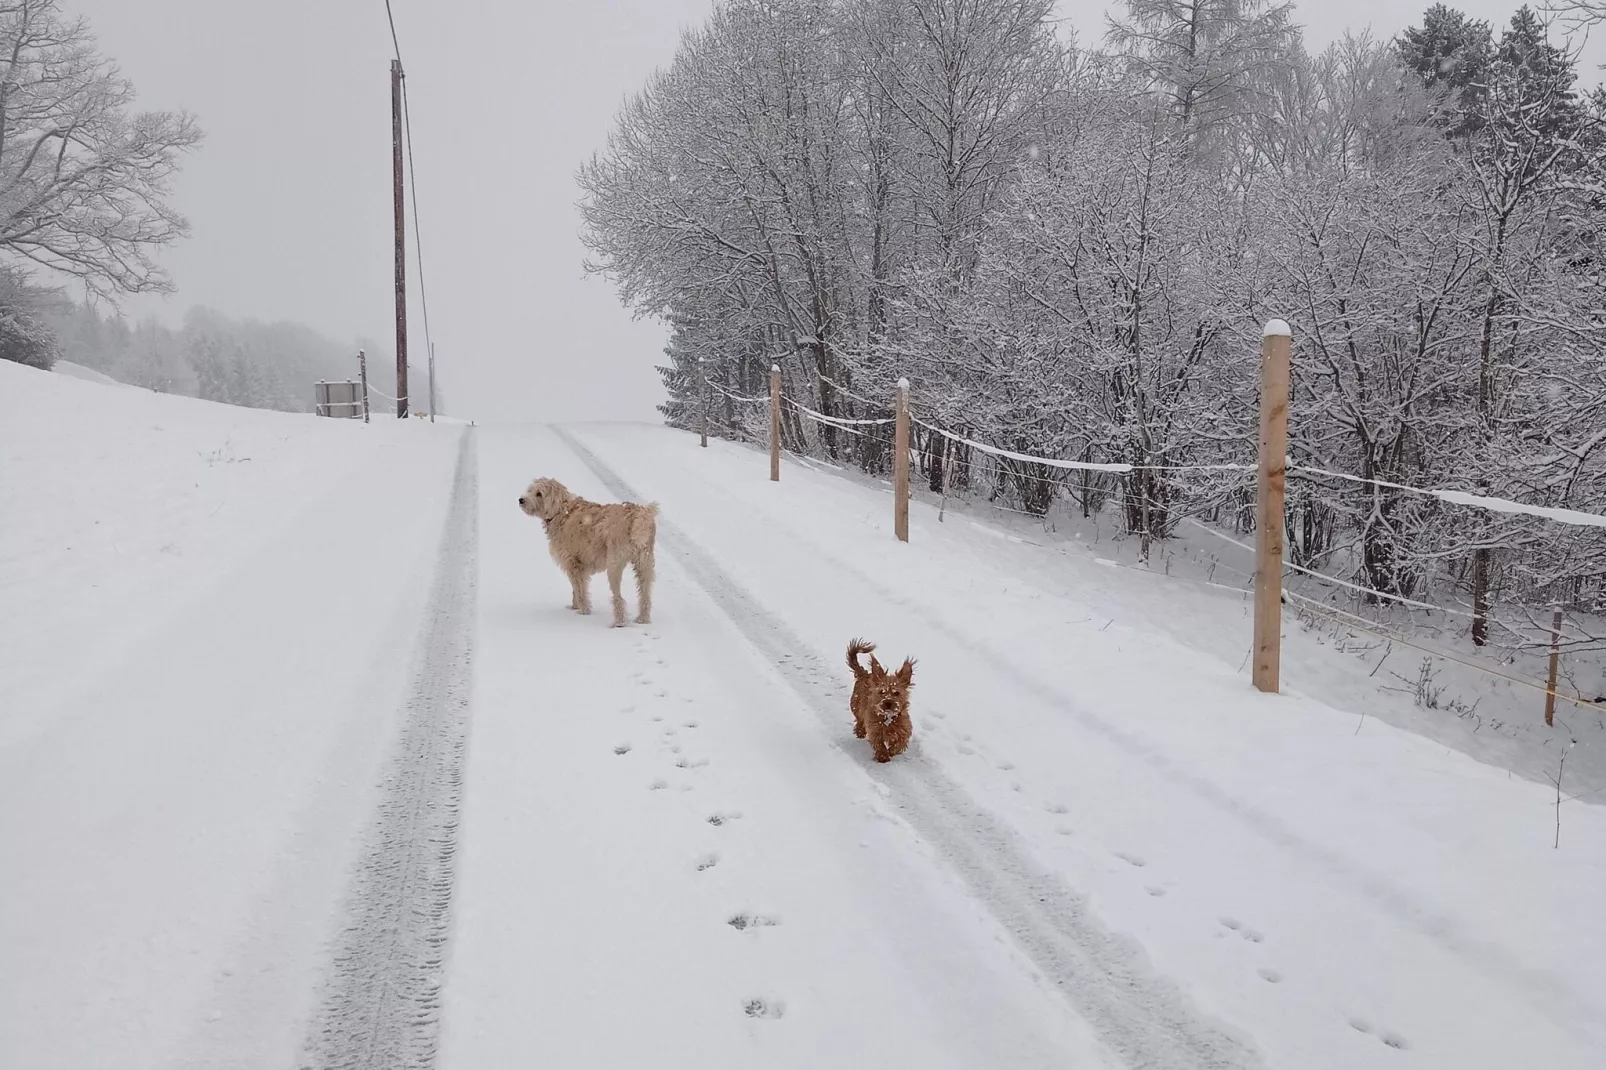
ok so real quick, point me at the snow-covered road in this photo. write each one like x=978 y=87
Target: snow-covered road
x=668 y=860
x=1193 y=875
x=304 y=762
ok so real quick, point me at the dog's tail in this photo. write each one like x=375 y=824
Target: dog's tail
x=855 y=648
x=644 y=527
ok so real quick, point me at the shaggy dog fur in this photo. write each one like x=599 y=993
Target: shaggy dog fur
x=586 y=538
x=881 y=702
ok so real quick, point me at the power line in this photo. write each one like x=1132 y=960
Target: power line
x=394 y=42
x=418 y=233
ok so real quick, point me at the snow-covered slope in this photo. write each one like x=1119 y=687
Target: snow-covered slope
x=78 y=371
x=303 y=762
x=210 y=614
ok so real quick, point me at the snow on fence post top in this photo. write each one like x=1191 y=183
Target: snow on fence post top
x=1277 y=329
x=775 y=367
x=903 y=384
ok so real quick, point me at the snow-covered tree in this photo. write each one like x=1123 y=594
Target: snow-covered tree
x=84 y=179
x=1069 y=252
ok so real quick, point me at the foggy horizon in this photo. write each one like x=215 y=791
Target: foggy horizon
x=289 y=195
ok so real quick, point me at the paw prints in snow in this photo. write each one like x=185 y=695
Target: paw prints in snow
x=1388 y=1037
x=764 y=1008
x=1242 y=930
x=743 y=922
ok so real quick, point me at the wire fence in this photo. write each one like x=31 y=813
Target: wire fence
x=1216 y=488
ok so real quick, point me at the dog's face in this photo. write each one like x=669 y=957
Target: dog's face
x=889 y=691
x=545 y=498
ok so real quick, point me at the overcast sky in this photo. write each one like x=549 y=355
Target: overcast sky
x=289 y=197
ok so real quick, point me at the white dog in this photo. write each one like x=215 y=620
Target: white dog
x=586 y=538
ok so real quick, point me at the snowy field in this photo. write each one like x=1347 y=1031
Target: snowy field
x=309 y=765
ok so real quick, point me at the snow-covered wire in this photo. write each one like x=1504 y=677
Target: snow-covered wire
x=837 y=420
x=1575 y=517
x=1377 y=630
x=1117 y=467
x=810 y=414
x=982 y=447
x=1325 y=578
x=738 y=397
x=1360 y=623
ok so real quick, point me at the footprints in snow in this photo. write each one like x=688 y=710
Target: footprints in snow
x=1388 y=1037
x=669 y=742
x=968 y=747
x=1242 y=930
x=743 y=922
x=764 y=1008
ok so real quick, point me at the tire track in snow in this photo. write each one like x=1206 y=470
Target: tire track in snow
x=380 y=1004
x=1142 y=1017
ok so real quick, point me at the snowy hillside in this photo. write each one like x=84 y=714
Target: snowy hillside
x=308 y=761
x=210 y=612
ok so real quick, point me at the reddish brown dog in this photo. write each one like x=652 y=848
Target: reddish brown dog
x=881 y=702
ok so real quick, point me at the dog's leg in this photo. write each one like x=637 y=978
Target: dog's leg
x=616 y=573
x=582 y=591
x=878 y=742
x=645 y=567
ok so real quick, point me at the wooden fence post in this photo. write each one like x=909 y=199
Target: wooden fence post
x=775 y=423
x=900 y=461
x=1555 y=666
x=708 y=398
x=1275 y=342
x=362 y=370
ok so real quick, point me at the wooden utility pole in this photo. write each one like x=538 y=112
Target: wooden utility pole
x=362 y=373
x=431 y=379
x=708 y=398
x=900 y=461
x=1275 y=342
x=775 y=423
x=401 y=236
x=1555 y=668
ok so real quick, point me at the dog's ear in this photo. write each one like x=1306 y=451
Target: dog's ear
x=877 y=673
x=906 y=672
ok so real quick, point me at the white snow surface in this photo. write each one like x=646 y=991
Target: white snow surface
x=209 y=613
x=78 y=371
x=662 y=845
x=1337 y=898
